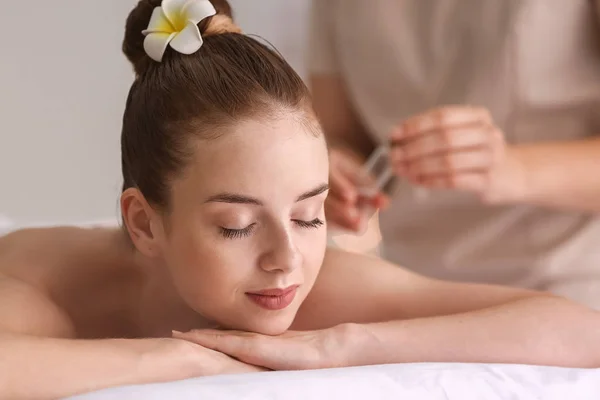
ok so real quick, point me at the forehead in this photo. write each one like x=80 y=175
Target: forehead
x=270 y=158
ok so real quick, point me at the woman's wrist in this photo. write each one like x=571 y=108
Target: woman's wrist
x=355 y=345
x=162 y=359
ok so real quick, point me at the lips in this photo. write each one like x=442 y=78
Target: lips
x=273 y=299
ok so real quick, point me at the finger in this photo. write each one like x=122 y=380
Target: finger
x=231 y=344
x=439 y=118
x=342 y=186
x=443 y=141
x=244 y=368
x=216 y=332
x=247 y=347
x=381 y=201
x=344 y=175
x=478 y=159
x=377 y=200
x=468 y=181
x=341 y=214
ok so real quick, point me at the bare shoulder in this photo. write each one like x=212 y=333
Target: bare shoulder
x=28 y=244
x=337 y=258
x=342 y=268
x=35 y=254
x=31 y=264
x=27 y=309
x=351 y=288
x=46 y=274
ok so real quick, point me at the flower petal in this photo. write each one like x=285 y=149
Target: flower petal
x=159 y=22
x=187 y=41
x=173 y=10
x=197 y=10
x=156 y=43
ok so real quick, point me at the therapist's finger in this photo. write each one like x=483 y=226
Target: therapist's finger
x=479 y=159
x=439 y=119
x=341 y=186
x=443 y=141
x=475 y=182
x=378 y=201
x=342 y=214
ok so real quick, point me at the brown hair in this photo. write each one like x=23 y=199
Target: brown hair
x=231 y=77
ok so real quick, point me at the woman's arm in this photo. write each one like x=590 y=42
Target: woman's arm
x=441 y=321
x=50 y=368
x=40 y=359
x=365 y=311
x=536 y=331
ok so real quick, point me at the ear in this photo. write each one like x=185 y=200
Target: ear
x=142 y=222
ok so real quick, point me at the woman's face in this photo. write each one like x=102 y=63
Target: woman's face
x=246 y=234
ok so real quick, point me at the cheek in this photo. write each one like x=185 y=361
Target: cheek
x=313 y=249
x=204 y=268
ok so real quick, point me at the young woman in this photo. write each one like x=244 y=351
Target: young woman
x=225 y=176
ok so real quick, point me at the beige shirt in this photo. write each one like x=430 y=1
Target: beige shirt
x=534 y=63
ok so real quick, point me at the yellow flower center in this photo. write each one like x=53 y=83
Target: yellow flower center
x=179 y=21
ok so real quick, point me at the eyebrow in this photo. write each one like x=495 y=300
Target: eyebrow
x=233 y=198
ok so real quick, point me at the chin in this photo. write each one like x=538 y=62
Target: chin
x=265 y=324
x=273 y=326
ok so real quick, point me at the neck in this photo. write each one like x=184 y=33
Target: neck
x=161 y=309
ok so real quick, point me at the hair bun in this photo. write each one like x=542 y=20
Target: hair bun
x=139 y=18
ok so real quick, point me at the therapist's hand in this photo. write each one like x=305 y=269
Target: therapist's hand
x=460 y=148
x=344 y=205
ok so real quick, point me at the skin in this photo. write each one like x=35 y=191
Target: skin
x=243 y=217
x=285 y=238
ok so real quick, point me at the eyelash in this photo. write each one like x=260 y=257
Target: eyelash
x=240 y=233
x=237 y=233
x=315 y=223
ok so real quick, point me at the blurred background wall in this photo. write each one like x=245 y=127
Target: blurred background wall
x=63 y=84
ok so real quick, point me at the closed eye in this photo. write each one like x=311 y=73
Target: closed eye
x=237 y=233
x=315 y=223
x=245 y=232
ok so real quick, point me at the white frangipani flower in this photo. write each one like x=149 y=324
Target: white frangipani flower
x=175 y=23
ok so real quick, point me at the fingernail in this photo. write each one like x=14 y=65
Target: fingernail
x=174 y=332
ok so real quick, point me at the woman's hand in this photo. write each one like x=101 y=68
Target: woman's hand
x=458 y=148
x=181 y=359
x=345 y=206
x=327 y=348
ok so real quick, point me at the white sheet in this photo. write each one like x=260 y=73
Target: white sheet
x=399 y=382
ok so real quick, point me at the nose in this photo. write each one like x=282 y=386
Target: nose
x=282 y=256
